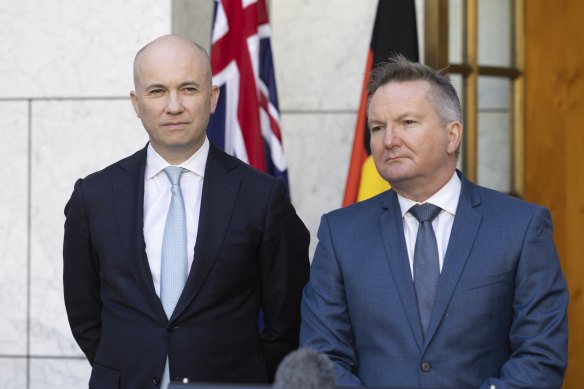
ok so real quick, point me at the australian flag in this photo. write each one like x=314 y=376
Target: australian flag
x=246 y=123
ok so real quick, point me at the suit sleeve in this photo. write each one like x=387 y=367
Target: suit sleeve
x=81 y=276
x=284 y=267
x=539 y=333
x=326 y=325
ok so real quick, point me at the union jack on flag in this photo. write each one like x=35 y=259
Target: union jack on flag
x=246 y=123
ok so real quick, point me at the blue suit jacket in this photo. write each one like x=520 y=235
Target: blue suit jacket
x=499 y=315
x=251 y=252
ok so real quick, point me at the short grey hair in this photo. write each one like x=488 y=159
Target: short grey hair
x=397 y=68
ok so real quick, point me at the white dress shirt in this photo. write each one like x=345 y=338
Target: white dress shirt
x=447 y=199
x=157 y=197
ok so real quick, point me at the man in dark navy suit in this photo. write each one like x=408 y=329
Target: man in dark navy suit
x=246 y=249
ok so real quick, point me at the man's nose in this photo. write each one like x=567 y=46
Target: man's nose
x=174 y=103
x=391 y=138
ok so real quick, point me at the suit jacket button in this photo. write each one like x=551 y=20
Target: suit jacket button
x=171 y=328
x=156 y=380
x=426 y=367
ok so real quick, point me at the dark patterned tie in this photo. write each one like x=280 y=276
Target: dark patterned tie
x=426 y=265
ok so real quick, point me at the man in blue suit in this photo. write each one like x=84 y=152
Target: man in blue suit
x=480 y=300
x=244 y=249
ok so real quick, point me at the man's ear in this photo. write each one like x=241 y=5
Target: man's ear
x=214 y=97
x=454 y=136
x=134 y=99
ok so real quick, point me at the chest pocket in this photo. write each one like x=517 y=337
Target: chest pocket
x=486 y=280
x=240 y=237
x=491 y=294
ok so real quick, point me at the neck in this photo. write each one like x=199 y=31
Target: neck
x=176 y=155
x=421 y=192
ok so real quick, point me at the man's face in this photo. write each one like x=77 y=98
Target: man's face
x=173 y=98
x=412 y=149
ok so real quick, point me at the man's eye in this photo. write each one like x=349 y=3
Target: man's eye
x=375 y=129
x=409 y=122
x=191 y=90
x=155 y=92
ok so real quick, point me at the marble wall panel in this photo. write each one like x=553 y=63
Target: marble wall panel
x=318 y=148
x=74 y=48
x=70 y=139
x=58 y=373
x=13 y=372
x=320 y=49
x=13 y=227
x=193 y=19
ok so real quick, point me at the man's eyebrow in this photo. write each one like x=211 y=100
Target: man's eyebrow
x=374 y=121
x=191 y=83
x=182 y=85
x=407 y=114
x=155 y=86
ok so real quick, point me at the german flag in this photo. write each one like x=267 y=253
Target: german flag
x=394 y=32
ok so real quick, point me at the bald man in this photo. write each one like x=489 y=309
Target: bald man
x=244 y=247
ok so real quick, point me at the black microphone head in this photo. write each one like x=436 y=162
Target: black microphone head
x=305 y=369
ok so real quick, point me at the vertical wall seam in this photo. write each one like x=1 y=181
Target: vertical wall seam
x=28 y=242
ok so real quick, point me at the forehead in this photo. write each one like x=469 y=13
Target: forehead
x=401 y=92
x=172 y=61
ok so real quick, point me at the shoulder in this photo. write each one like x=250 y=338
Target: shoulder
x=363 y=211
x=100 y=180
x=495 y=198
x=500 y=206
x=220 y=161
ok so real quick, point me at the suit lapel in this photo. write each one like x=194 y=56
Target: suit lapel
x=392 y=233
x=220 y=190
x=464 y=231
x=128 y=188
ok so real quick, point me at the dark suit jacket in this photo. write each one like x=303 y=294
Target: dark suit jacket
x=499 y=315
x=251 y=252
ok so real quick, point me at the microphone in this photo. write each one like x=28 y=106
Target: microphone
x=305 y=368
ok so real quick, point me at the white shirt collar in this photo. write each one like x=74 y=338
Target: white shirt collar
x=196 y=163
x=446 y=198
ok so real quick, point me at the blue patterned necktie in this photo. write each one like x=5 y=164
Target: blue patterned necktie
x=174 y=258
x=426 y=265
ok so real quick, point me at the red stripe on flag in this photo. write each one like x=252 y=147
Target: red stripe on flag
x=262 y=12
x=242 y=23
x=274 y=125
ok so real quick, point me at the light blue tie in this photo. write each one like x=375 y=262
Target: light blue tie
x=174 y=258
x=426 y=263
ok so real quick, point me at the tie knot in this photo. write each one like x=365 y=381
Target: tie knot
x=425 y=212
x=173 y=173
